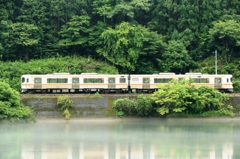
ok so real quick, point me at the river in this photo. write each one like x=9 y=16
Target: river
x=122 y=138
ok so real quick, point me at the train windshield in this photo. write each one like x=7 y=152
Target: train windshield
x=23 y=79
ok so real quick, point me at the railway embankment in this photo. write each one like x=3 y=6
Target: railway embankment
x=84 y=105
x=87 y=105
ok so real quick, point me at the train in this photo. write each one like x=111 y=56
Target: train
x=117 y=83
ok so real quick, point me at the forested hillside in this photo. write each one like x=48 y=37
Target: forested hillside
x=136 y=36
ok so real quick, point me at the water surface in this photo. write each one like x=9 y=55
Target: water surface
x=116 y=138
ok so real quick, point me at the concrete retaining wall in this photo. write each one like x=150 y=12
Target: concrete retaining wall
x=86 y=105
x=83 y=106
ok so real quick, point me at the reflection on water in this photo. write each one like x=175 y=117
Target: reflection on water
x=115 y=138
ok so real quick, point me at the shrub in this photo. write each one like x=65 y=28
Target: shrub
x=142 y=106
x=236 y=86
x=11 y=106
x=182 y=97
x=97 y=95
x=124 y=107
x=173 y=97
x=209 y=99
x=66 y=113
x=64 y=102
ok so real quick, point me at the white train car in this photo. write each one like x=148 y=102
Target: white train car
x=65 y=82
x=104 y=83
x=150 y=83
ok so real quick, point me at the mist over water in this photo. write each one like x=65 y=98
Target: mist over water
x=116 y=138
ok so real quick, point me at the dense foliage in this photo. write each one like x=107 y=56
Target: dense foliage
x=184 y=98
x=142 y=106
x=176 y=99
x=173 y=34
x=11 y=107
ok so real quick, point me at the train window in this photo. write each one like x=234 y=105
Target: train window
x=200 y=80
x=227 y=80
x=135 y=79
x=162 y=80
x=122 y=80
x=93 y=80
x=146 y=80
x=62 y=80
x=57 y=80
x=23 y=80
x=27 y=80
x=75 y=80
x=218 y=80
x=52 y=80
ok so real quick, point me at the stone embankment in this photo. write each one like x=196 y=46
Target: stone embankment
x=87 y=105
x=84 y=105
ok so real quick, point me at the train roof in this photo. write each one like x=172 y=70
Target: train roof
x=144 y=75
x=71 y=75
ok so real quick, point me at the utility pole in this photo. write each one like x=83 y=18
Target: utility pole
x=216 y=62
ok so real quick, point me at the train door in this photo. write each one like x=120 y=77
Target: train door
x=111 y=83
x=37 y=83
x=217 y=83
x=27 y=81
x=146 y=83
x=75 y=83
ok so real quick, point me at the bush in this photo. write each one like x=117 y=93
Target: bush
x=142 y=106
x=66 y=113
x=124 y=107
x=64 y=102
x=10 y=105
x=236 y=86
x=173 y=98
x=182 y=97
x=208 y=99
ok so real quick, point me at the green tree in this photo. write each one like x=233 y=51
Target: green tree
x=225 y=35
x=7 y=51
x=141 y=9
x=31 y=12
x=230 y=7
x=122 y=11
x=36 y=12
x=124 y=45
x=94 y=39
x=191 y=21
x=25 y=37
x=75 y=33
x=19 y=38
x=11 y=107
x=176 y=58
x=102 y=8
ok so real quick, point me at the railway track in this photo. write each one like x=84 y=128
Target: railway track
x=78 y=95
x=92 y=94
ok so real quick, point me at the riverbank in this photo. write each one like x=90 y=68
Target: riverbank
x=87 y=105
